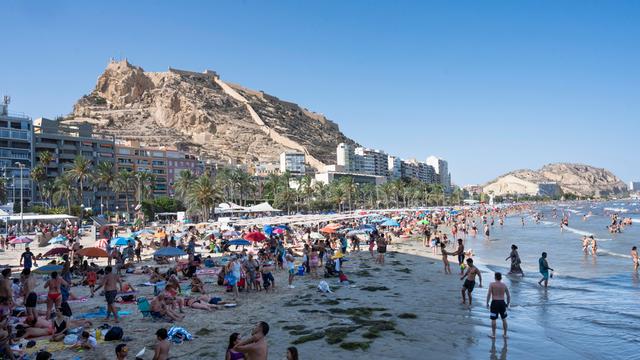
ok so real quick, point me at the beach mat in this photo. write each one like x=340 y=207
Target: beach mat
x=101 y=313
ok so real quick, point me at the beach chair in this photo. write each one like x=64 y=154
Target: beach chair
x=144 y=307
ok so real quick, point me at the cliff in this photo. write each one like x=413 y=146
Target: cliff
x=577 y=179
x=202 y=113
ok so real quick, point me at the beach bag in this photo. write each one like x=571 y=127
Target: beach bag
x=324 y=287
x=178 y=335
x=115 y=333
x=70 y=339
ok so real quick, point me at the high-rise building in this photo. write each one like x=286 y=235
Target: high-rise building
x=374 y=162
x=634 y=185
x=345 y=157
x=178 y=161
x=65 y=143
x=16 y=153
x=395 y=167
x=441 y=168
x=293 y=162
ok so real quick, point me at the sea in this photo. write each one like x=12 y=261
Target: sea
x=591 y=309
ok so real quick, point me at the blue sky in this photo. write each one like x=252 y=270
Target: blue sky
x=489 y=85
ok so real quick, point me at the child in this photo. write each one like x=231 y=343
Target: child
x=267 y=277
x=162 y=345
x=445 y=259
x=291 y=267
x=86 y=341
x=91 y=277
x=343 y=279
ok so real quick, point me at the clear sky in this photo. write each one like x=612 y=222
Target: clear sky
x=490 y=86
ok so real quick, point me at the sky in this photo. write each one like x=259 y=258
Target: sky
x=490 y=86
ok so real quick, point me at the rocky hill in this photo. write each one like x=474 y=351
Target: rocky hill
x=578 y=179
x=202 y=113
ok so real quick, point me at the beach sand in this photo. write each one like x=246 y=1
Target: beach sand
x=405 y=309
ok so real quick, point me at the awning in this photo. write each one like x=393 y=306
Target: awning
x=51 y=217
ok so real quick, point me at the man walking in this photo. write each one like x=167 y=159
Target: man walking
x=544 y=269
x=470 y=280
x=110 y=281
x=498 y=307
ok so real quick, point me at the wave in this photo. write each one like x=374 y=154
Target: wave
x=578 y=231
x=620 y=210
x=610 y=253
x=635 y=220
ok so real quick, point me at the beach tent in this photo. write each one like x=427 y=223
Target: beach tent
x=169 y=252
x=262 y=207
x=229 y=207
x=316 y=236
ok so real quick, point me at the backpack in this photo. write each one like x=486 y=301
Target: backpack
x=115 y=333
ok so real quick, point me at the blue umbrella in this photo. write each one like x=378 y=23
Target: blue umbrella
x=58 y=239
x=284 y=227
x=390 y=222
x=121 y=241
x=47 y=269
x=143 y=231
x=267 y=229
x=169 y=252
x=239 y=242
x=355 y=232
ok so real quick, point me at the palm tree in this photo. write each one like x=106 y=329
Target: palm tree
x=46 y=157
x=123 y=184
x=348 y=187
x=81 y=172
x=203 y=195
x=38 y=175
x=3 y=190
x=65 y=189
x=306 y=188
x=144 y=185
x=47 y=189
x=105 y=176
x=183 y=182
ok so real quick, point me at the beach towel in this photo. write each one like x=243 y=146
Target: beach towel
x=324 y=287
x=79 y=300
x=101 y=313
x=211 y=271
x=177 y=335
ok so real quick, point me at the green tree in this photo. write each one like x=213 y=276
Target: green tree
x=183 y=183
x=65 y=190
x=123 y=184
x=144 y=182
x=203 y=195
x=81 y=172
x=105 y=177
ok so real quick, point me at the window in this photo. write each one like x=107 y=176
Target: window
x=16 y=125
x=123 y=151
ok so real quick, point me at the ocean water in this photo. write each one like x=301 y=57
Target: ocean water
x=591 y=309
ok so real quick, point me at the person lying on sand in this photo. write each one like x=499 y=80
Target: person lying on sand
x=85 y=341
x=200 y=302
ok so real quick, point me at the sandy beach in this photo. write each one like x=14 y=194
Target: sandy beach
x=393 y=311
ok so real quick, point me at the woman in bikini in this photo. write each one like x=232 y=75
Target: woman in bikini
x=200 y=303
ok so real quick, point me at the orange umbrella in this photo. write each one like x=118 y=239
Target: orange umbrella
x=328 y=230
x=159 y=235
x=93 y=252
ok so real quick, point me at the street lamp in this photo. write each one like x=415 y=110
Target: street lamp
x=21 y=166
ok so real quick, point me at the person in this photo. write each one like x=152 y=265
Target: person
x=634 y=257
x=313 y=262
x=85 y=341
x=231 y=354
x=515 y=261
x=594 y=247
x=291 y=267
x=544 y=269
x=197 y=285
x=28 y=291
x=162 y=345
x=233 y=275
x=382 y=249
x=138 y=251
x=200 y=302
x=266 y=268
x=53 y=296
x=160 y=310
x=292 y=353
x=110 y=282
x=585 y=245
x=460 y=253
x=59 y=326
x=121 y=351
x=255 y=347
x=470 y=280
x=498 y=307
x=5 y=337
x=27 y=259
x=445 y=258
x=91 y=278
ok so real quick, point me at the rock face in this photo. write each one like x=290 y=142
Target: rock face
x=577 y=179
x=202 y=113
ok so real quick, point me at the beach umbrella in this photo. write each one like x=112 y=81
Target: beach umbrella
x=160 y=235
x=268 y=229
x=424 y=222
x=56 y=251
x=255 y=236
x=278 y=231
x=390 y=222
x=142 y=232
x=316 y=236
x=211 y=232
x=102 y=243
x=93 y=252
x=121 y=241
x=328 y=230
x=58 y=239
x=284 y=227
x=169 y=252
x=239 y=242
x=355 y=232
x=48 y=269
x=21 y=240
x=230 y=233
